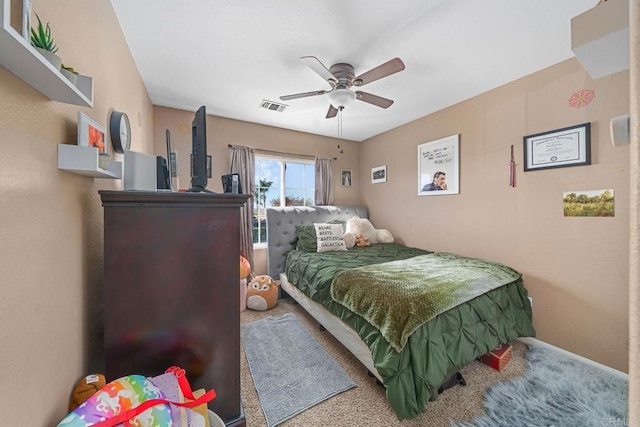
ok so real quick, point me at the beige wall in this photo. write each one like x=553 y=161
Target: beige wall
x=576 y=269
x=221 y=132
x=51 y=220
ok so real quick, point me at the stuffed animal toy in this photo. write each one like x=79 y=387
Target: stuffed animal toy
x=362 y=225
x=84 y=389
x=349 y=240
x=245 y=268
x=262 y=293
x=362 y=241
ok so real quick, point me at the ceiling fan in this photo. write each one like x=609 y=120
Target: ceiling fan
x=341 y=77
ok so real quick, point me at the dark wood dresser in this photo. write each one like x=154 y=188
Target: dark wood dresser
x=171 y=290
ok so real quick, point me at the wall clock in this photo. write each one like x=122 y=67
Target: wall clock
x=120 y=131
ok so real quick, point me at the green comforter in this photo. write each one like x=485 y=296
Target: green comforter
x=397 y=297
x=435 y=350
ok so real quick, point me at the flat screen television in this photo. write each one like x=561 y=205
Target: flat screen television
x=199 y=151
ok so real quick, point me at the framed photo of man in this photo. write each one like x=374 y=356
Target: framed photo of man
x=438 y=167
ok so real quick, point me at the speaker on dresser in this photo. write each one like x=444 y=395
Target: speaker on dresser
x=163 y=180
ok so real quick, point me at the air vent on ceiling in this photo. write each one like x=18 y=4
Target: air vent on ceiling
x=273 y=106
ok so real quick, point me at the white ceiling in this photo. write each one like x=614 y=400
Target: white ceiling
x=230 y=55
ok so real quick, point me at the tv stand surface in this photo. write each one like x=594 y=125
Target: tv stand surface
x=199 y=189
x=171 y=290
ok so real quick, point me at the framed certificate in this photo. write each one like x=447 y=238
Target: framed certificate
x=560 y=148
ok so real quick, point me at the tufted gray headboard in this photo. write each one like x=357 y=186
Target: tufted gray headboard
x=281 y=228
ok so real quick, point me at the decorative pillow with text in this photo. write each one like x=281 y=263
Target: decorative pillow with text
x=329 y=237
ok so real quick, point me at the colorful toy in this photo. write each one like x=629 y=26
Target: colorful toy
x=262 y=293
x=135 y=400
x=362 y=241
x=85 y=388
x=245 y=267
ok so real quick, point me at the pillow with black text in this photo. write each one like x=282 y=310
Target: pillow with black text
x=329 y=237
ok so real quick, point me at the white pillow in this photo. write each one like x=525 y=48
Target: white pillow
x=329 y=237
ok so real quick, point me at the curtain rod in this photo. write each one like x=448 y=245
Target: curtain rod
x=281 y=153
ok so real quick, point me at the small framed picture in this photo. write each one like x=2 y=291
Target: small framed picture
x=91 y=133
x=346 y=178
x=379 y=174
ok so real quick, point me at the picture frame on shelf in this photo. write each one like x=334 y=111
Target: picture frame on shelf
x=346 y=178
x=91 y=133
x=560 y=148
x=379 y=174
x=438 y=167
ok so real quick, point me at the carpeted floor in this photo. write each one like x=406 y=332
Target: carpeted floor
x=366 y=404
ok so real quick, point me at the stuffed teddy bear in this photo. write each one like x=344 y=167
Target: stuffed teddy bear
x=357 y=225
x=262 y=293
x=362 y=241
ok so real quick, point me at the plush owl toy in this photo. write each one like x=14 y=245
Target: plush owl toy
x=262 y=293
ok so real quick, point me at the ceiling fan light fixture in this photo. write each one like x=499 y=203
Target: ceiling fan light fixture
x=341 y=97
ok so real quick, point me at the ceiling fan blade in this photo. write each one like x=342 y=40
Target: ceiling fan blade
x=390 y=67
x=333 y=111
x=373 y=99
x=317 y=66
x=303 y=95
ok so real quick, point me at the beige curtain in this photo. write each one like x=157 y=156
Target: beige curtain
x=324 y=181
x=242 y=161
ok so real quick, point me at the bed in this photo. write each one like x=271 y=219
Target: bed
x=414 y=364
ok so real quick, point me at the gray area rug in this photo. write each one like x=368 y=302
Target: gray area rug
x=290 y=370
x=556 y=390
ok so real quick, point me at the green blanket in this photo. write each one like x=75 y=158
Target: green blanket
x=398 y=297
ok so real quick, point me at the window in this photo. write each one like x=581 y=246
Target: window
x=280 y=182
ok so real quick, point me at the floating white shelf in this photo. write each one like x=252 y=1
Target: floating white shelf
x=600 y=38
x=18 y=56
x=84 y=161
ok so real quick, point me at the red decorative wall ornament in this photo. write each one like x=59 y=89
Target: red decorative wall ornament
x=582 y=98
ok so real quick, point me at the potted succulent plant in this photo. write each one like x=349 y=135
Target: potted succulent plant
x=69 y=73
x=104 y=160
x=43 y=42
